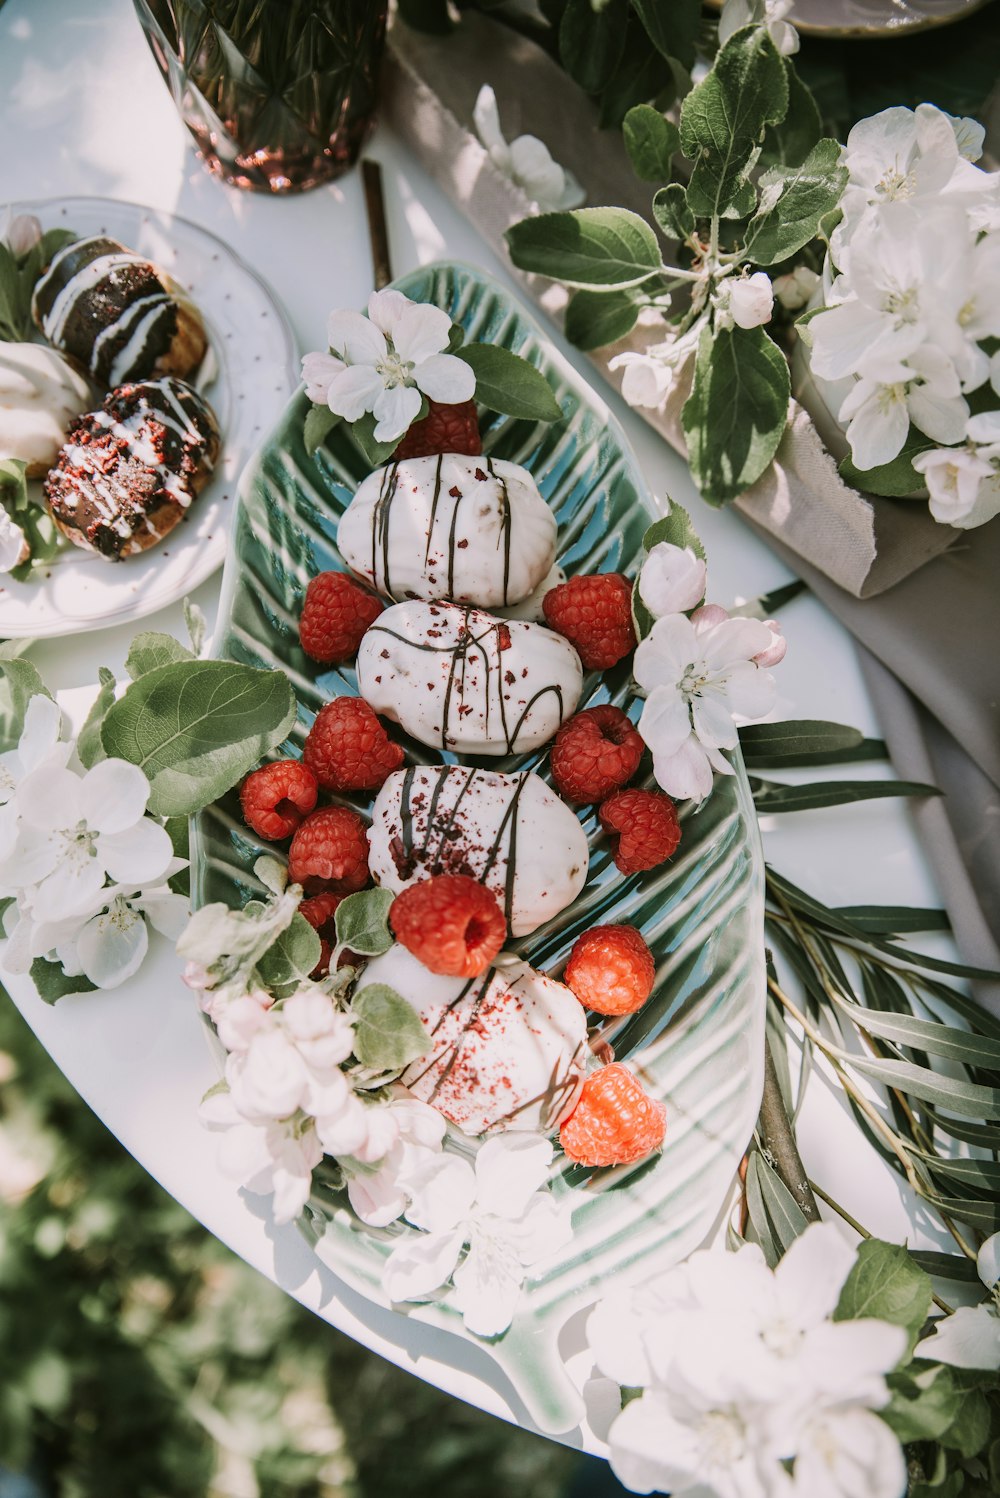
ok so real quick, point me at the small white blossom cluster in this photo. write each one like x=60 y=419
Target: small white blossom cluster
x=527 y=161
x=749 y=1389
x=386 y=362
x=85 y=868
x=914 y=303
x=700 y=669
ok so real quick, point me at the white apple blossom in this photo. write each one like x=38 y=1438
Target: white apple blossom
x=385 y=362
x=21 y=232
x=405 y=1136
x=498 y=1212
x=877 y=411
x=964 y=487
x=110 y=945
x=970 y=1336
x=747 y=301
x=768 y=13
x=672 y=579
x=41 y=743
x=526 y=160
x=744 y=1374
x=271 y=1158
x=796 y=289
x=646 y=381
x=697 y=673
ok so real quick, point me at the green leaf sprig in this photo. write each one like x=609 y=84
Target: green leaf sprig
x=18 y=275
x=760 y=183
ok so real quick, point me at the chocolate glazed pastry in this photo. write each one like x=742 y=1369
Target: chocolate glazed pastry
x=129 y=472
x=117 y=315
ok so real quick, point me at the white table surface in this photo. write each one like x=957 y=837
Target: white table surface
x=83 y=110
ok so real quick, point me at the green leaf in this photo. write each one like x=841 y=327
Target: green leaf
x=509 y=384
x=651 y=141
x=88 y=744
x=737 y=411
x=596 y=318
x=591 y=42
x=968 y=1099
x=388 y=1032
x=893 y=920
x=194 y=623
x=671 y=211
x=671 y=27
x=723 y=120
x=150 y=650
x=53 y=984
x=432 y=16
x=784 y=1212
x=286 y=965
x=179 y=831
x=797 y=198
x=362 y=922
x=789 y=142
x=769 y=796
x=923 y=1405
x=759 y=1227
x=23 y=680
x=898 y=479
x=375 y=453
x=886 y=1285
x=641 y=77
x=319 y=423
x=795 y=741
x=197 y=727
x=970 y=1430
x=954 y=1267
x=590 y=247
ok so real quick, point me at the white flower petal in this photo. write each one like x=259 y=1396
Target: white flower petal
x=421 y=331
x=318 y=369
x=354 y=391
x=811 y=1274
x=386 y=307
x=672 y=580
x=355 y=339
x=687 y=773
x=510 y=1168
x=12 y=542
x=394 y=410
x=665 y=722
x=111 y=947
x=849 y=1454
x=141 y=853
x=50 y=798
x=486 y=1291
x=750 y=692
x=114 y=795
x=542 y=1230
x=615 y=1336
x=968 y=1338
x=420 y=1264
x=662 y=658
x=443 y=1191
x=167 y=912
x=445 y=378
x=988 y=1262
x=486 y=118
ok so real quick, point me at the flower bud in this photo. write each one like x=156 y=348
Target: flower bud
x=775 y=652
x=23 y=234
x=794 y=290
x=751 y=300
x=708 y=615
x=672 y=580
x=646 y=381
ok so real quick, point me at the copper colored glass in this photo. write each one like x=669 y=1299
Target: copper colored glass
x=278 y=94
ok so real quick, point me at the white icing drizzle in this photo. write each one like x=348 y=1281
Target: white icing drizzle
x=87 y=277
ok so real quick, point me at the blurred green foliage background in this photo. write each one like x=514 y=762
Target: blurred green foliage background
x=139 y=1358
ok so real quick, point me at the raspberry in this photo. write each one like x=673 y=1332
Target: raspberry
x=445 y=429
x=319 y=911
x=611 y=970
x=646 y=826
x=451 y=923
x=615 y=1121
x=329 y=853
x=595 y=752
x=335 y=615
x=595 y=615
x=347 y=748
x=276 y=797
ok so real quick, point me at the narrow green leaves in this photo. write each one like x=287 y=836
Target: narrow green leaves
x=596 y=318
x=770 y=796
x=736 y=413
x=885 y=1284
x=608 y=247
x=509 y=384
x=651 y=141
x=793 y=202
x=388 y=1032
x=197 y=727
x=796 y=741
x=724 y=118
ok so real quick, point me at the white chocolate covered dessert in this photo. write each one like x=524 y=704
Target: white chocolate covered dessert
x=458 y=678
x=40 y=395
x=470 y=529
x=506 y=1050
x=511 y=832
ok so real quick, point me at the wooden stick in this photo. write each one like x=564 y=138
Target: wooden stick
x=777 y=1137
x=378 y=234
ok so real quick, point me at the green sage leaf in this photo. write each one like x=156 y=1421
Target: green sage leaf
x=597 y=318
x=388 y=1032
x=53 y=984
x=362 y=922
x=23 y=682
x=591 y=42
x=651 y=141
x=150 y=650
x=793 y=201
x=796 y=741
x=893 y=920
x=898 y=479
x=672 y=28
x=923 y=1405
x=509 y=384
x=288 y=962
x=590 y=247
x=319 y=423
x=375 y=453
x=886 y=1285
x=672 y=213
x=197 y=727
x=968 y=1099
x=737 y=411
x=88 y=744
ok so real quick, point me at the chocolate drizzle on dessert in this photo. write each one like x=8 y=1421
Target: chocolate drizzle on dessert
x=381 y=574
x=107 y=308
x=128 y=473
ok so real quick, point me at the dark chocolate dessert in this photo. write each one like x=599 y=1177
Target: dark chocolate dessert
x=118 y=316
x=129 y=472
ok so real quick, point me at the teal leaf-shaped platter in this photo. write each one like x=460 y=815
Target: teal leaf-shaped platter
x=698 y=1042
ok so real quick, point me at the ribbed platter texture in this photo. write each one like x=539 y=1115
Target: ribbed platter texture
x=698 y=1043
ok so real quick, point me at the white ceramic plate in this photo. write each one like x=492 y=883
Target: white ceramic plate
x=256 y=369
